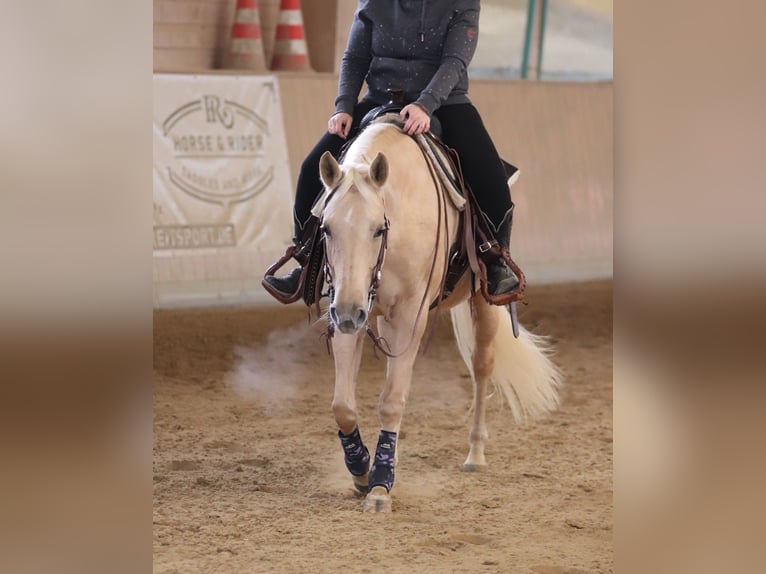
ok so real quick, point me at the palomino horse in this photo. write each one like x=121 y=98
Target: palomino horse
x=388 y=230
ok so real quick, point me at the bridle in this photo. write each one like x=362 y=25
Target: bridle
x=376 y=270
x=376 y=274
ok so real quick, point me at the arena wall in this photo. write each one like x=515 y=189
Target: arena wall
x=559 y=134
x=192 y=35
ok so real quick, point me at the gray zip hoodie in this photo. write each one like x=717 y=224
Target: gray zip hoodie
x=422 y=47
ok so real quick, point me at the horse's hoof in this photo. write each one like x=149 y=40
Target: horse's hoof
x=378 y=500
x=471 y=467
x=360 y=483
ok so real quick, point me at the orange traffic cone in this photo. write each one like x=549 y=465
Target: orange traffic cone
x=290 y=51
x=246 y=45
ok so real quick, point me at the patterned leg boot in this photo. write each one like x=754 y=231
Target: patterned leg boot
x=357 y=459
x=382 y=471
x=355 y=454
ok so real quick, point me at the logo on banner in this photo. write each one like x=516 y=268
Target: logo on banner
x=193 y=236
x=218 y=149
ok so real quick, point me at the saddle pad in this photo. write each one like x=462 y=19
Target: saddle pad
x=437 y=157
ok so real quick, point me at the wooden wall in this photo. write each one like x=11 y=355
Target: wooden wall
x=193 y=35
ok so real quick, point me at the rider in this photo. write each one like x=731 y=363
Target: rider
x=422 y=47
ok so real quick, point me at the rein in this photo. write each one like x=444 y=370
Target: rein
x=377 y=341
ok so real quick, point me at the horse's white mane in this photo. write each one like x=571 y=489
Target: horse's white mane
x=356 y=164
x=388 y=126
x=382 y=133
x=359 y=151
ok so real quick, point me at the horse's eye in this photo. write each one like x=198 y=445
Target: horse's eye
x=379 y=232
x=326 y=231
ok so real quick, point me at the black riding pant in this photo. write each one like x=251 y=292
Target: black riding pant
x=309 y=185
x=462 y=129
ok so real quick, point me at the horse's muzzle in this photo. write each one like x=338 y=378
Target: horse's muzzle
x=350 y=320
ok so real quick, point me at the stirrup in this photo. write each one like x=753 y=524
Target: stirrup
x=495 y=246
x=276 y=266
x=292 y=280
x=502 y=299
x=308 y=251
x=509 y=276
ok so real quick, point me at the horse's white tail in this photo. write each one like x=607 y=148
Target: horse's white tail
x=523 y=371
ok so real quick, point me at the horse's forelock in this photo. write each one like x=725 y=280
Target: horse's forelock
x=363 y=184
x=355 y=184
x=356 y=166
x=356 y=178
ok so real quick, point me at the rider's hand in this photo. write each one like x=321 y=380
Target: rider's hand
x=416 y=119
x=340 y=124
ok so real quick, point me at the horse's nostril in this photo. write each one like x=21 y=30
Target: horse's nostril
x=334 y=315
x=361 y=317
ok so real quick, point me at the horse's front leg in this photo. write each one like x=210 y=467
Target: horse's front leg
x=485 y=323
x=347 y=350
x=391 y=406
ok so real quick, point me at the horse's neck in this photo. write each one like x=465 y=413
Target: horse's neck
x=423 y=228
x=415 y=203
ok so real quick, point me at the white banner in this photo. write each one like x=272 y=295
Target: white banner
x=222 y=190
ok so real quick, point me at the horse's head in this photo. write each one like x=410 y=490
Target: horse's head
x=355 y=227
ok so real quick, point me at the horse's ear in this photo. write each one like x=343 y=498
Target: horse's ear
x=329 y=170
x=379 y=170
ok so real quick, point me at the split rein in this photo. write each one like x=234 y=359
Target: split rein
x=380 y=343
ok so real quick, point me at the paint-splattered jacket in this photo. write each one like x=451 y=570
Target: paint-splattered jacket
x=422 y=47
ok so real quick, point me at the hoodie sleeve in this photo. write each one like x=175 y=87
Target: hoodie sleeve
x=356 y=61
x=459 y=48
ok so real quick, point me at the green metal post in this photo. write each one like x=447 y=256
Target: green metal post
x=528 y=38
x=543 y=22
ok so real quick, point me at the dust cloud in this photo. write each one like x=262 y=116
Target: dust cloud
x=272 y=373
